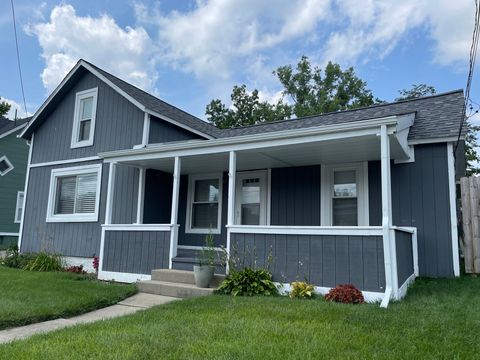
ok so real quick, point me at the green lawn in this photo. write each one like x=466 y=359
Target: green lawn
x=440 y=319
x=28 y=297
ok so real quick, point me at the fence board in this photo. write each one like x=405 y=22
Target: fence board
x=470 y=187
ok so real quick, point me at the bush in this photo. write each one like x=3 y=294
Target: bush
x=75 y=269
x=248 y=282
x=15 y=259
x=45 y=262
x=301 y=289
x=347 y=294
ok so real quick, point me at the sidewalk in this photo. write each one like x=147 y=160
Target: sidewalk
x=140 y=301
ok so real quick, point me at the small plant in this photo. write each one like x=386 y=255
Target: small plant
x=248 y=282
x=75 y=269
x=96 y=263
x=45 y=262
x=15 y=259
x=301 y=289
x=208 y=252
x=347 y=294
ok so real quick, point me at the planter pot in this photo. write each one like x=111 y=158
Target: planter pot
x=203 y=275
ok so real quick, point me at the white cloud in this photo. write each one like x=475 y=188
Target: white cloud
x=15 y=106
x=66 y=37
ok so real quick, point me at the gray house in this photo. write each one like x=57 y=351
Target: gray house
x=364 y=196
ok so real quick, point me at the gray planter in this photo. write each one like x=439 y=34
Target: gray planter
x=203 y=275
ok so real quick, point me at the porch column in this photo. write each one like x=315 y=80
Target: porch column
x=110 y=189
x=174 y=211
x=388 y=234
x=141 y=194
x=232 y=172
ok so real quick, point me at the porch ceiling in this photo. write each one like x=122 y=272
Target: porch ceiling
x=361 y=148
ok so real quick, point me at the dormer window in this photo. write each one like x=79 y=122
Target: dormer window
x=84 y=118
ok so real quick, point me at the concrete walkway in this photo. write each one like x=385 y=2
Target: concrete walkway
x=128 y=306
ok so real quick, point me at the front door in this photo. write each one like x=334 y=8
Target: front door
x=251 y=198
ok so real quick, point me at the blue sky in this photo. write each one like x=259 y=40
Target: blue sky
x=189 y=52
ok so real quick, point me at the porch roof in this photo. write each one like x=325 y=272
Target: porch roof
x=348 y=142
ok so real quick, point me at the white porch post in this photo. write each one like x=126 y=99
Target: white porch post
x=388 y=234
x=110 y=189
x=174 y=211
x=141 y=194
x=232 y=170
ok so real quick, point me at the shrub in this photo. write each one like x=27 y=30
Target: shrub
x=347 y=294
x=248 y=282
x=15 y=259
x=208 y=252
x=96 y=263
x=45 y=262
x=75 y=269
x=301 y=289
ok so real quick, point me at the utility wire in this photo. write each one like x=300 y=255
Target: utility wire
x=18 y=58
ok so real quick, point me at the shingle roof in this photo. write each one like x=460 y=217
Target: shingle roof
x=153 y=103
x=7 y=125
x=437 y=116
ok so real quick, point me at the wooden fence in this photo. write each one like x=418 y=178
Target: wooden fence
x=470 y=241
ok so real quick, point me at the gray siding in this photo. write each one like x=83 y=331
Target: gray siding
x=119 y=125
x=162 y=131
x=295 y=196
x=403 y=246
x=124 y=210
x=321 y=260
x=136 y=252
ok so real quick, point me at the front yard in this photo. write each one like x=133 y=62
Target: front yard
x=439 y=319
x=28 y=297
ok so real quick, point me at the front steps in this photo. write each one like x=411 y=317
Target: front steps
x=176 y=283
x=187 y=258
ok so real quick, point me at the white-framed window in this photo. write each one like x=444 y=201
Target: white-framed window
x=204 y=204
x=19 y=206
x=5 y=165
x=74 y=194
x=344 y=191
x=251 y=196
x=84 y=118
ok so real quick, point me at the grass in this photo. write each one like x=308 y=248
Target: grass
x=439 y=319
x=27 y=297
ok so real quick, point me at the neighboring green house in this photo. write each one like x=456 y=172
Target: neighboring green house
x=13 y=169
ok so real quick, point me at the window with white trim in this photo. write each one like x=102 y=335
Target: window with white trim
x=74 y=194
x=19 y=207
x=84 y=118
x=204 y=204
x=251 y=198
x=345 y=195
x=5 y=165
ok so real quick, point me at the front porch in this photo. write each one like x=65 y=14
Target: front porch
x=306 y=205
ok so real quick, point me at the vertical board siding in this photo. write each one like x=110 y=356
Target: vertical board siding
x=69 y=239
x=403 y=246
x=136 y=252
x=295 y=196
x=420 y=198
x=162 y=131
x=125 y=195
x=323 y=260
x=118 y=124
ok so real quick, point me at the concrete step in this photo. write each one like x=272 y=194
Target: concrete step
x=187 y=263
x=172 y=289
x=182 y=276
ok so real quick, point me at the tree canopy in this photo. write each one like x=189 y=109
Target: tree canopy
x=416 y=91
x=4 y=107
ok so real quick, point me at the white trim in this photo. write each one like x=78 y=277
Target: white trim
x=369 y=296
x=146 y=129
x=193 y=247
x=263 y=176
x=190 y=197
x=76 y=217
x=269 y=196
x=79 y=96
x=87 y=263
x=386 y=297
x=9 y=165
x=27 y=179
x=326 y=186
x=62 y=162
x=306 y=230
x=112 y=171
x=413 y=231
x=402 y=291
x=141 y=194
x=453 y=208
x=179 y=124
x=12 y=131
x=122 y=277
x=177 y=168
x=434 y=140
x=15 y=220
x=8 y=234
x=136 y=227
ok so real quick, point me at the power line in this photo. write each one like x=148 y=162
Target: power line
x=18 y=58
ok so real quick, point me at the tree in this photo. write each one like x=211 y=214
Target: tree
x=472 y=158
x=247 y=109
x=4 y=107
x=311 y=91
x=416 y=91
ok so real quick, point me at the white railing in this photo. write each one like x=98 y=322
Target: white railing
x=413 y=231
x=306 y=230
